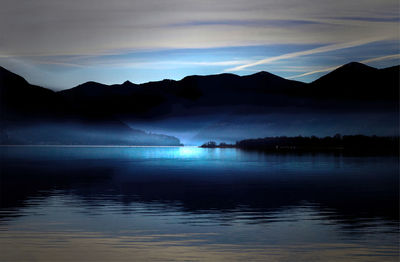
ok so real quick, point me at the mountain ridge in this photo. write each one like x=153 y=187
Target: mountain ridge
x=345 y=67
x=352 y=80
x=352 y=88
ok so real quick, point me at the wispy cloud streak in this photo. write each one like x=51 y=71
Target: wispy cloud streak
x=388 y=57
x=318 y=50
x=327 y=69
x=140 y=64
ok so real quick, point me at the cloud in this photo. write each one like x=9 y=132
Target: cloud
x=328 y=69
x=56 y=27
x=318 y=50
x=63 y=42
x=251 y=22
x=388 y=57
x=112 y=62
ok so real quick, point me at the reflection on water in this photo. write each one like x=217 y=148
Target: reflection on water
x=124 y=203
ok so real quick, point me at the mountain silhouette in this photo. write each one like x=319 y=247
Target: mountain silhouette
x=153 y=98
x=351 y=81
x=35 y=115
x=353 y=87
x=18 y=95
x=357 y=81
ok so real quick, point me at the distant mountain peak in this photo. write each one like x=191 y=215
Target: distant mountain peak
x=262 y=73
x=353 y=66
x=346 y=73
x=127 y=82
x=354 y=63
x=358 y=81
x=89 y=83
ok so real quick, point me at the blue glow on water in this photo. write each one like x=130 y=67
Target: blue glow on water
x=209 y=204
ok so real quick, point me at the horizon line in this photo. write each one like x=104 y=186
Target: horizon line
x=32 y=145
x=222 y=73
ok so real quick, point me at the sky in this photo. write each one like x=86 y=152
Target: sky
x=60 y=44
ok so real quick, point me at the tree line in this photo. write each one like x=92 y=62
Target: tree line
x=351 y=143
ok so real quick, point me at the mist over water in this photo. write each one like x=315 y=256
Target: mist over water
x=230 y=127
x=83 y=133
x=189 y=203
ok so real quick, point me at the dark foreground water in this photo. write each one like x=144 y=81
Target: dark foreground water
x=195 y=204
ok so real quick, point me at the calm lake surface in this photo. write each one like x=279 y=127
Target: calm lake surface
x=195 y=204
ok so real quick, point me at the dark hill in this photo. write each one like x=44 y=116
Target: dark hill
x=358 y=81
x=352 y=88
x=18 y=96
x=34 y=115
x=352 y=81
x=201 y=90
x=267 y=82
x=158 y=97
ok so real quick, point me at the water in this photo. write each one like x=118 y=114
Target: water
x=196 y=204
